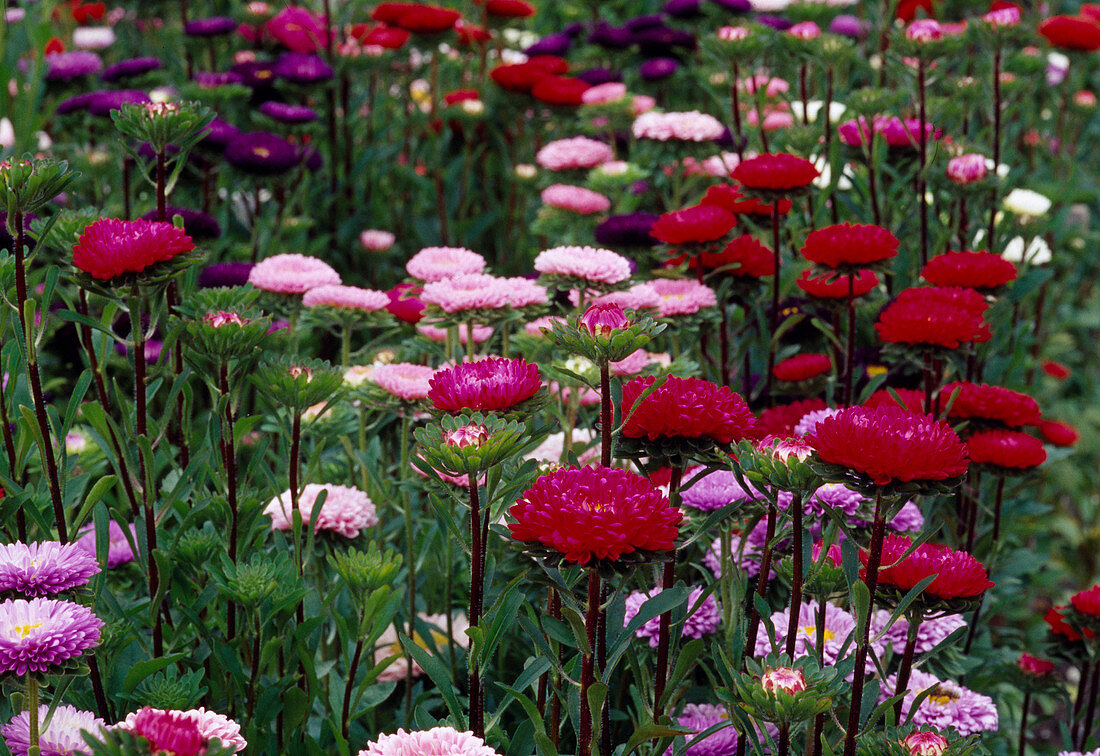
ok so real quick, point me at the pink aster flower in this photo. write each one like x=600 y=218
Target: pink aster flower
x=208 y=724
x=576 y=199
x=713 y=490
x=376 y=240
x=632 y=364
x=534 y=327
x=468 y=291
x=589 y=263
x=704 y=617
x=691 y=126
x=404 y=379
x=574 y=153
x=40 y=569
x=968 y=168
x=346 y=298
x=809 y=421
x=925 y=743
x=949 y=706
x=773 y=86
x=119 y=550
x=39 y=634
x=438 y=741
x=494 y=384
x=110 y=247
x=682 y=296
x=61 y=737
x=346 y=510
x=638 y=297
x=481 y=333
x=292 y=273
x=389 y=644
x=437 y=263
x=525 y=292
x=604 y=94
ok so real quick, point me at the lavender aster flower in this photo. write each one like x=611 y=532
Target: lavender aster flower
x=611 y=37
x=839 y=628
x=302 y=69
x=703 y=619
x=128 y=69
x=849 y=26
x=119 y=550
x=701 y=717
x=746 y=550
x=38 y=634
x=66 y=66
x=287 y=113
x=734 y=6
x=61 y=737
x=215 y=26
x=215 y=79
x=949 y=705
x=262 y=154
x=909 y=519
x=40 y=569
x=713 y=491
x=930 y=634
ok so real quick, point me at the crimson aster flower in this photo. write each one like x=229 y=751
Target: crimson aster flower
x=493 y=384
x=40 y=569
x=981 y=401
x=730 y=197
x=802 y=367
x=1033 y=666
x=830 y=287
x=1087 y=601
x=1058 y=433
x=39 y=634
x=743 y=257
x=889 y=444
x=61 y=737
x=438 y=741
x=210 y=725
x=603 y=318
x=980 y=270
x=1006 y=449
x=927 y=319
x=778 y=171
x=1071 y=32
x=850 y=245
x=911 y=399
x=685 y=408
x=595 y=513
x=781 y=419
x=693 y=225
x=958 y=574
x=110 y=247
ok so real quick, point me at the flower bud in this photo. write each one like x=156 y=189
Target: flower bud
x=923 y=743
x=924 y=30
x=603 y=318
x=733 y=33
x=219 y=319
x=806 y=30
x=468 y=435
x=784 y=679
x=966 y=169
x=1034 y=666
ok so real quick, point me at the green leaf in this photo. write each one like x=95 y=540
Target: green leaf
x=651 y=731
x=143 y=669
x=440 y=675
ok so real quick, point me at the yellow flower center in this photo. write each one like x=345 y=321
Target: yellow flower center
x=261 y=152
x=811 y=632
x=24 y=630
x=942 y=696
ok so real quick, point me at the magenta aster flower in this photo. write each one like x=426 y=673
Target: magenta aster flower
x=438 y=741
x=39 y=569
x=292 y=274
x=494 y=384
x=61 y=737
x=119 y=550
x=925 y=743
x=210 y=725
x=110 y=247
x=949 y=706
x=346 y=510
x=589 y=263
x=38 y=634
x=468 y=291
x=604 y=318
x=404 y=380
x=574 y=153
x=682 y=296
x=346 y=298
x=704 y=617
x=437 y=263
x=576 y=199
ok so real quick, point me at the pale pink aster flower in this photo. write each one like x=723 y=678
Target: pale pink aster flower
x=603 y=94
x=924 y=30
x=59 y=738
x=346 y=298
x=1009 y=16
x=292 y=273
x=808 y=423
x=968 y=168
x=573 y=153
x=691 y=126
x=437 y=263
x=774 y=118
x=704 y=619
x=720 y=165
x=1079 y=753
x=589 y=263
x=637 y=297
x=535 y=326
x=773 y=86
x=357 y=375
x=210 y=724
x=576 y=199
x=640 y=104
x=376 y=240
x=806 y=30
x=632 y=364
x=481 y=333
x=469 y=291
x=682 y=296
x=948 y=706
x=388 y=644
x=404 y=379
x=438 y=741
x=733 y=33
x=93 y=37
x=525 y=292
x=346 y=510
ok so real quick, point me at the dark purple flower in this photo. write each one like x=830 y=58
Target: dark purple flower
x=734 y=6
x=215 y=26
x=302 y=69
x=219 y=134
x=657 y=69
x=573 y=30
x=682 y=8
x=311 y=158
x=66 y=66
x=74 y=104
x=287 y=113
x=638 y=23
x=611 y=37
x=103 y=102
x=551 y=44
x=152 y=350
x=631 y=230
x=225 y=274
x=661 y=40
x=256 y=74
x=775 y=22
x=126 y=69
x=849 y=26
x=594 y=76
x=197 y=224
x=215 y=79
x=262 y=154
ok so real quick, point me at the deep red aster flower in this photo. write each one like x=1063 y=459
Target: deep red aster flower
x=743 y=257
x=695 y=224
x=927 y=317
x=836 y=287
x=984 y=402
x=959 y=574
x=1056 y=370
x=389 y=12
x=1004 y=448
x=1059 y=433
x=890 y=444
x=110 y=247
x=471 y=34
x=775 y=171
x=913 y=399
x=979 y=270
x=730 y=197
x=427 y=19
x=1056 y=618
x=405 y=303
x=1031 y=665
x=493 y=384
x=1087 y=601
x=686 y=408
x=1071 y=32
x=169 y=732
x=595 y=513
x=559 y=90
x=509 y=9
x=781 y=419
x=956 y=296
x=518 y=77
x=461 y=95
x=387 y=37
x=802 y=367
x=850 y=244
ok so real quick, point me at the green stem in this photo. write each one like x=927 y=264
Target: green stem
x=32 y=710
x=410 y=556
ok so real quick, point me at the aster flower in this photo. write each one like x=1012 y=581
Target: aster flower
x=775 y=172
x=897 y=133
x=287 y=113
x=438 y=263
x=850 y=246
x=439 y=335
x=925 y=743
x=808 y=423
x=802 y=367
x=1005 y=449
x=700 y=718
x=376 y=240
x=559 y=90
x=405 y=304
x=131 y=68
x=109 y=247
x=346 y=510
x=703 y=618
x=746 y=550
x=1058 y=433
x=576 y=199
x=495 y=384
x=346 y=298
x=119 y=550
x=890 y=444
x=692 y=126
x=40 y=569
x=630 y=230
x=225 y=274
x=61 y=737
x=932 y=318
x=213 y=26
x=404 y=380
x=693 y=225
x=685 y=408
x=586 y=263
x=911 y=399
x=595 y=514
x=468 y=291
x=292 y=273
x=39 y=634
x=573 y=154
x=743 y=257
x=713 y=490
x=262 y=154
x=302 y=69
x=781 y=419
x=967 y=169
x=187 y=731
x=981 y=401
x=949 y=706
x=66 y=66
x=682 y=296
x=839 y=634
x=389 y=644
x=930 y=632
x=438 y=741
x=979 y=270
x=958 y=574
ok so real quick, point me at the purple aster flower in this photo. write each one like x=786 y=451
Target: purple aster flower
x=948 y=706
x=722 y=742
x=631 y=230
x=103 y=102
x=649 y=21
x=775 y=22
x=745 y=550
x=256 y=74
x=657 y=69
x=66 y=66
x=662 y=40
x=197 y=224
x=262 y=154
x=849 y=26
x=597 y=76
x=703 y=619
x=215 y=26
x=287 y=113
x=152 y=350
x=302 y=69
x=573 y=30
x=39 y=634
x=40 y=569
x=839 y=628
x=909 y=519
x=682 y=8
x=119 y=550
x=311 y=158
x=74 y=104
x=930 y=634
x=215 y=79
x=712 y=491
x=225 y=274
x=218 y=135
x=61 y=737
x=127 y=69
x=837 y=497
x=551 y=44
x=611 y=37
x=734 y=6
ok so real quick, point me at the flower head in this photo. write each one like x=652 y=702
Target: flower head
x=468 y=291
x=376 y=240
x=979 y=270
x=925 y=743
x=981 y=401
x=61 y=737
x=703 y=619
x=775 y=171
x=682 y=296
x=346 y=298
x=494 y=384
x=468 y=435
x=110 y=247
x=695 y=224
x=262 y=154
x=40 y=569
x=685 y=408
x=595 y=513
x=38 y=634
x=574 y=153
x=1087 y=601
x=576 y=199
x=603 y=318
x=588 y=263
x=389 y=644
x=1033 y=666
x=934 y=317
x=850 y=244
x=743 y=257
x=958 y=574
x=691 y=126
x=783 y=679
x=949 y=706
x=438 y=741
x=292 y=273
x=119 y=550
x=404 y=380
x=346 y=510
x=802 y=367
x=967 y=169
x=1006 y=449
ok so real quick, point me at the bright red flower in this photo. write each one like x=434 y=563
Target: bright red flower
x=518 y=77
x=781 y=419
x=595 y=513
x=889 y=444
x=730 y=197
x=933 y=317
x=405 y=303
x=1056 y=370
x=86 y=13
x=802 y=367
x=977 y=270
x=955 y=296
x=1058 y=625
x=695 y=224
x=471 y=34
x=686 y=408
x=1087 y=601
x=959 y=574
x=559 y=90
x=1034 y=666
x=461 y=95
x=743 y=257
x=913 y=399
x=550 y=63
x=388 y=37
x=775 y=171
x=55 y=45
x=984 y=402
x=836 y=287
x=1058 y=433
x=1004 y=448
x=850 y=244
x=389 y=12
x=1090 y=11
x=509 y=9
x=1071 y=32
x=493 y=384
x=427 y=19
x=110 y=247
